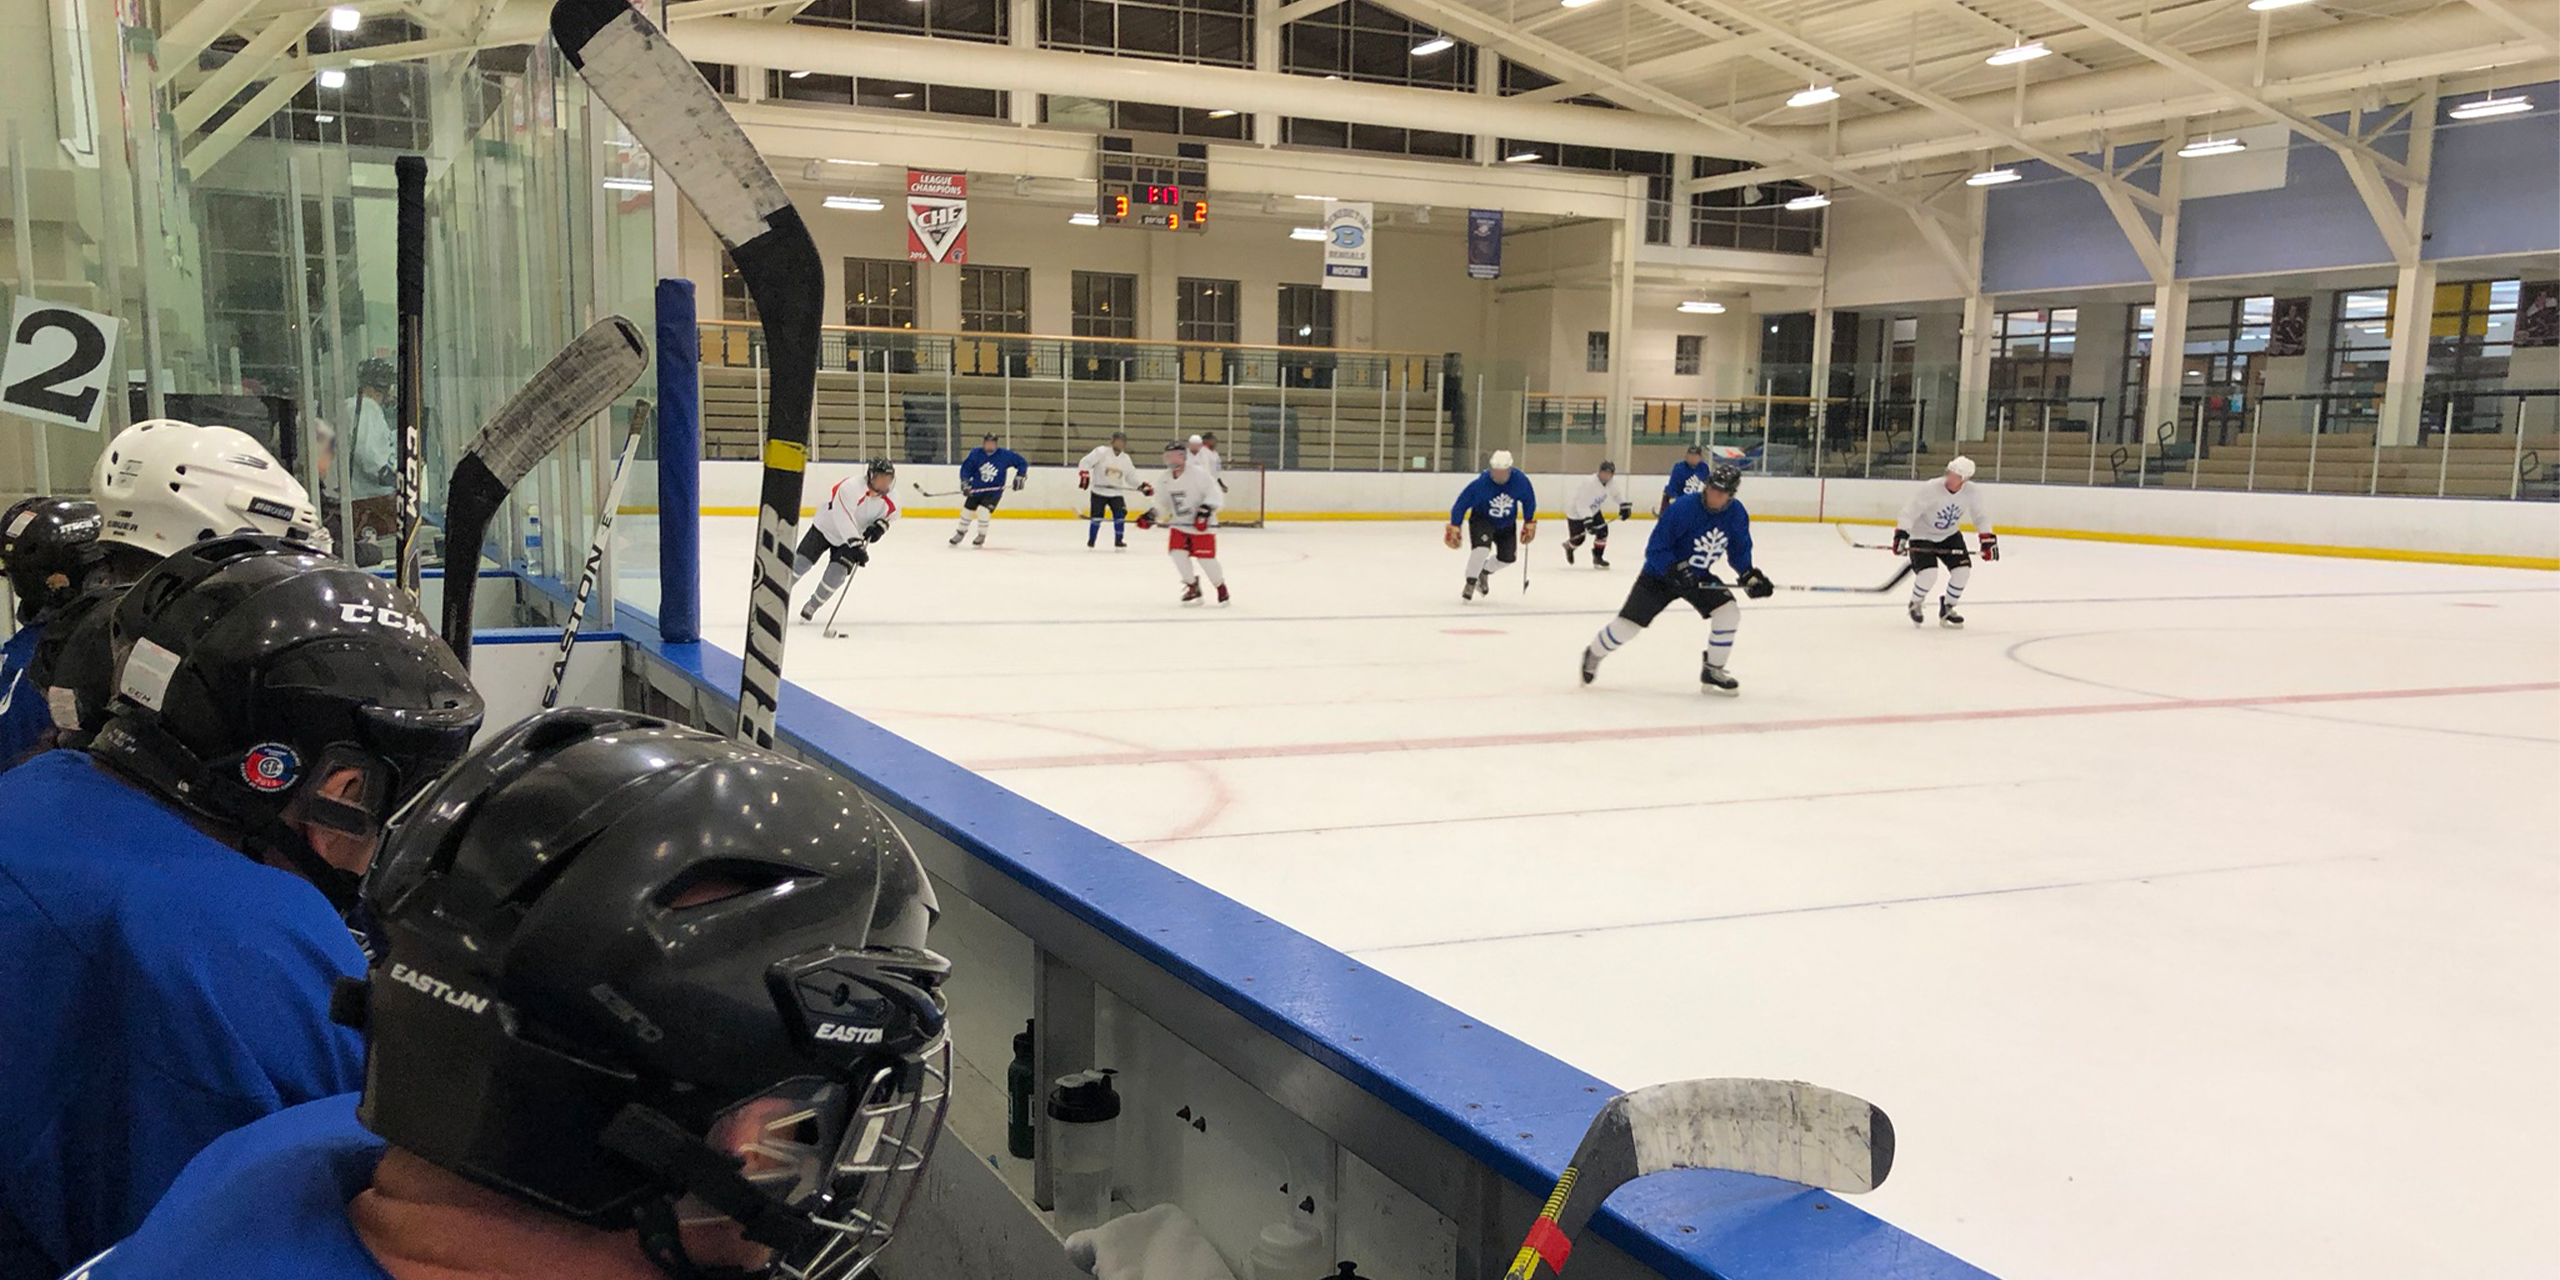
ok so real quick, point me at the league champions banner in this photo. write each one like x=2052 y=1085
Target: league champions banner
x=2538 y=314
x=1347 y=245
x=1484 y=244
x=937 y=216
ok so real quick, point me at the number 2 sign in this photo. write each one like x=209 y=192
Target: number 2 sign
x=56 y=368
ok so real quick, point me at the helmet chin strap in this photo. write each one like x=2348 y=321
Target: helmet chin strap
x=663 y=1241
x=647 y=1137
x=278 y=838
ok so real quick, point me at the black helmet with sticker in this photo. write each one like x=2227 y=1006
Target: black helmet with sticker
x=49 y=550
x=1725 y=476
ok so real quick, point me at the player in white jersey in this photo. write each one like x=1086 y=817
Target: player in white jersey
x=1187 y=505
x=1931 y=532
x=1586 y=515
x=1110 y=477
x=1204 y=454
x=844 y=529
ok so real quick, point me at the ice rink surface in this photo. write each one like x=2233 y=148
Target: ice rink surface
x=2192 y=912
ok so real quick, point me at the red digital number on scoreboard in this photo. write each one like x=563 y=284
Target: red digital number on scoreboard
x=1164 y=195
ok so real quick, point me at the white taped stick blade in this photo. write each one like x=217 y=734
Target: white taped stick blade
x=673 y=112
x=582 y=381
x=1776 y=1128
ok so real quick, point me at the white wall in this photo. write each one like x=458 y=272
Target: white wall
x=1877 y=257
x=2434 y=525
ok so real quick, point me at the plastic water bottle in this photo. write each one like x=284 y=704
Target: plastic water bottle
x=533 y=535
x=1292 y=1249
x=1085 y=1107
x=1017 y=1090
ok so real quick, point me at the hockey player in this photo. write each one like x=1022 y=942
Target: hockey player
x=1587 y=516
x=49 y=550
x=1187 y=505
x=160 y=485
x=1500 y=511
x=1688 y=476
x=844 y=529
x=621 y=1025
x=1679 y=564
x=1931 y=533
x=982 y=478
x=1109 y=475
x=169 y=911
x=1204 y=454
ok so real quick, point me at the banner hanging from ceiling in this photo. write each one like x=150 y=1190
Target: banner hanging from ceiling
x=937 y=216
x=1347 y=245
x=1484 y=244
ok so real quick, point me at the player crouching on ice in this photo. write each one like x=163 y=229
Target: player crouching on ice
x=1586 y=515
x=1679 y=564
x=845 y=528
x=1489 y=506
x=1187 y=504
x=1931 y=533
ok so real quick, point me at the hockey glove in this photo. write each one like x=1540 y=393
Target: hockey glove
x=1990 y=546
x=1200 y=523
x=875 y=531
x=1018 y=481
x=1901 y=543
x=1756 y=585
x=857 y=554
x=1450 y=536
x=1528 y=531
x=1147 y=489
x=1146 y=519
x=1084 y=479
x=1684 y=576
x=1626 y=511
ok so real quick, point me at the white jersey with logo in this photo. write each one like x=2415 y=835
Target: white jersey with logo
x=1181 y=499
x=852 y=507
x=1207 y=459
x=1934 y=515
x=1591 y=496
x=1114 y=474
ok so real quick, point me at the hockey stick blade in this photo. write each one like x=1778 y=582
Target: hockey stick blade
x=656 y=92
x=1784 y=1129
x=640 y=415
x=1884 y=586
x=1843 y=531
x=579 y=383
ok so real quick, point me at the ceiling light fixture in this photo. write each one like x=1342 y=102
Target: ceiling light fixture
x=868 y=164
x=324 y=118
x=1522 y=157
x=629 y=184
x=1086 y=218
x=1436 y=44
x=2483 y=108
x=1696 y=307
x=1306 y=233
x=2263 y=6
x=2211 y=147
x=333 y=78
x=1311 y=197
x=345 y=18
x=902 y=97
x=797 y=75
x=1222 y=113
x=1576 y=4
x=1802 y=203
x=1993 y=177
x=1814 y=96
x=2018 y=53
x=853 y=204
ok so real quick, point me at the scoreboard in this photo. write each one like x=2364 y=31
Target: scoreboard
x=1152 y=181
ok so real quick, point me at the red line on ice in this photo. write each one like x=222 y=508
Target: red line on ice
x=1283 y=750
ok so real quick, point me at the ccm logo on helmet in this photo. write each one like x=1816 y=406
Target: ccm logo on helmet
x=847 y=1033
x=439 y=989
x=356 y=614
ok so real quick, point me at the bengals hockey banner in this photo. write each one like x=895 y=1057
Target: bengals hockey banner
x=937 y=216
x=1484 y=244
x=1346 y=245
x=2538 y=314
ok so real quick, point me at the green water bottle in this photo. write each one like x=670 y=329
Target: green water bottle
x=1017 y=1096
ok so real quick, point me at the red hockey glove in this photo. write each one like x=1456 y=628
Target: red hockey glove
x=1990 y=546
x=1146 y=519
x=1528 y=531
x=1084 y=479
x=1147 y=489
x=1200 y=522
x=1451 y=537
x=1901 y=543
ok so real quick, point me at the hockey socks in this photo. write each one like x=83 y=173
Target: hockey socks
x=1721 y=624
x=1476 y=558
x=1612 y=637
x=1956 y=578
x=1217 y=575
x=1182 y=565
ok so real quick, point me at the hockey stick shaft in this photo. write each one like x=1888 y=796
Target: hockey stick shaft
x=937 y=493
x=841 y=593
x=595 y=554
x=409 y=303
x=658 y=94
x=1887 y=585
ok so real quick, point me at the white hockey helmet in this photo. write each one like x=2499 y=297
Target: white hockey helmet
x=1962 y=467
x=1500 y=461
x=163 y=484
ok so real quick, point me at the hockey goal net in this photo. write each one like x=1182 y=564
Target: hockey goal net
x=1246 y=508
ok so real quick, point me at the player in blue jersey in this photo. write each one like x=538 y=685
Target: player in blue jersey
x=1679 y=564
x=1688 y=476
x=982 y=485
x=49 y=551
x=1499 y=509
x=621 y=1025
x=166 y=901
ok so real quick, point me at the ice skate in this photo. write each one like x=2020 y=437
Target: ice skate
x=1599 y=558
x=1947 y=615
x=980 y=540
x=1222 y=593
x=809 y=611
x=1715 y=679
x=1469 y=593
x=1590 y=665
x=1568 y=552
x=1484 y=583
x=956 y=537
x=1191 y=593
x=1916 y=618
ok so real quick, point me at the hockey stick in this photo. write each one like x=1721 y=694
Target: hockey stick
x=409 y=174
x=1887 y=585
x=1772 y=1128
x=1843 y=531
x=673 y=113
x=937 y=493
x=829 y=631
x=575 y=386
x=640 y=415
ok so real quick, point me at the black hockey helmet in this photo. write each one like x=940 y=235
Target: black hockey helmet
x=1725 y=476
x=877 y=468
x=376 y=374
x=614 y=954
x=249 y=669
x=1608 y=468
x=78 y=657
x=49 y=550
x=1697 y=451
